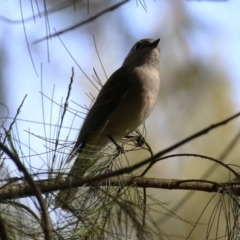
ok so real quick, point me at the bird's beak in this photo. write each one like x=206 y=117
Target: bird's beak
x=155 y=43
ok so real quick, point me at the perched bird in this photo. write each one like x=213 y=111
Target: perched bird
x=124 y=102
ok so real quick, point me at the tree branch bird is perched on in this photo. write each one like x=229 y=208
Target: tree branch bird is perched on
x=124 y=102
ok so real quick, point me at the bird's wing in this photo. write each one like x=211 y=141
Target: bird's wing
x=115 y=89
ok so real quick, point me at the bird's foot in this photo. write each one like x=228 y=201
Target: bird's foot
x=120 y=149
x=140 y=140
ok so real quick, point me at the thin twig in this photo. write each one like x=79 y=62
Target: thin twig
x=3 y=230
x=208 y=173
x=15 y=118
x=65 y=107
x=26 y=38
x=144 y=207
x=83 y=22
x=188 y=139
x=99 y=58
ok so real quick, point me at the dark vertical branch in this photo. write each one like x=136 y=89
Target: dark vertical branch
x=20 y=166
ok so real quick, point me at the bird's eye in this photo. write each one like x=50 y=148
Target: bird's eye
x=137 y=46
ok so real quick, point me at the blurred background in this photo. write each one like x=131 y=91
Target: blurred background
x=200 y=49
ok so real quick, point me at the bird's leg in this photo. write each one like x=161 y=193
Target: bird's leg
x=119 y=148
x=140 y=140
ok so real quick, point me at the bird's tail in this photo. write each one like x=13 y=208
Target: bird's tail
x=83 y=162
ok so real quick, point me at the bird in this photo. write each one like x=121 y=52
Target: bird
x=123 y=104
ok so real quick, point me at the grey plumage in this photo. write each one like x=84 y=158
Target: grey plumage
x=124 y=102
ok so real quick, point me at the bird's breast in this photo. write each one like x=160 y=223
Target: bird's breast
x=148 y=87
x=137 y=104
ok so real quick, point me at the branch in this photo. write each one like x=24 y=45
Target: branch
x=47 y=186
x=152 y=160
